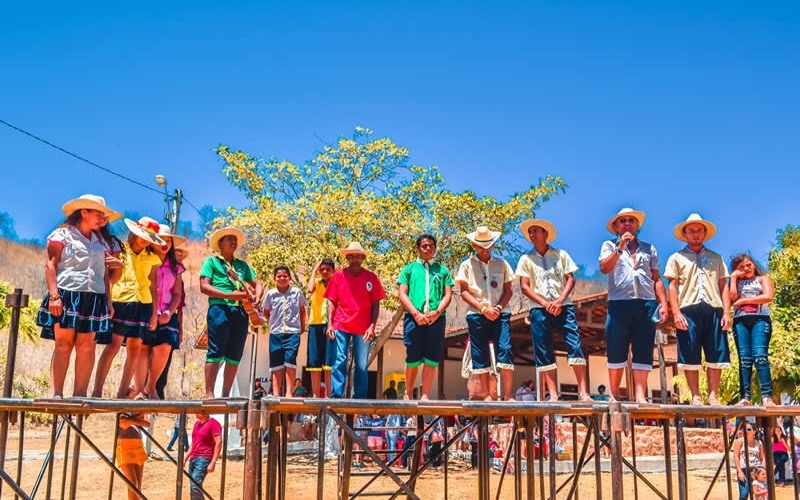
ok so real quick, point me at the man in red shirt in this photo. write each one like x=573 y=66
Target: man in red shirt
x=204 y=452
x=354 y=296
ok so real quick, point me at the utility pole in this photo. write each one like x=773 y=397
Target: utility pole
x=173 y=202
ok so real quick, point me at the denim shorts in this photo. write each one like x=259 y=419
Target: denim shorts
x=543 y=324
x=704 y=333
x=424 y=343
x=227 y=333
x=629 y=324
x=283 y=350
x=481 y=332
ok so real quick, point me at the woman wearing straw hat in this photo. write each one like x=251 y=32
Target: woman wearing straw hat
x=227 y=281
x=485 y=283
x=637 y=301
x=354 y=296
x=166 y=287
x=700 y=301
x=133 y=302
x=76 y=306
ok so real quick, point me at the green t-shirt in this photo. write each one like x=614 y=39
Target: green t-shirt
x=215 y=268
x=414 y=274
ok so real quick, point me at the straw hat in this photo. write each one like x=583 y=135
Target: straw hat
x=711 y=229
x=90 y=202
x=147 y=229
x=217 y=235
x=353 y=248
x=165 y=232
x=546 y=225
x=629 y=212
x=483 y=237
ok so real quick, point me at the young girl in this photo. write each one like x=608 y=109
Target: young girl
x=285 y=308
x=76 y=306
x=751 y=291
x=780 y=454
x=166 y=288
x=760 y=489
x=130 y=449
x=132 y=302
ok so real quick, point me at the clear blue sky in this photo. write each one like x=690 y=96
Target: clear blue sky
x=669 y=107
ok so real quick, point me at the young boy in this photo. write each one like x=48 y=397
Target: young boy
x=204 y=452
x=285 y=308
x=321 y=349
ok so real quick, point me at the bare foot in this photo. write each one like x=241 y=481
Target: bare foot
x=712 y=400
x=584 y=396
x=512 y=399
x=406 y=397
x=424 y=397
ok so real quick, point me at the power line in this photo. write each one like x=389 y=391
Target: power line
x=191 y=205
x=81 y=158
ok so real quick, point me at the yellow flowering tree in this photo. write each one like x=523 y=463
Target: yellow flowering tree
x=363 y=189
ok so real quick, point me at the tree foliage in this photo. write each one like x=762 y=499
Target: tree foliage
x=365 y=189
x=27 y=320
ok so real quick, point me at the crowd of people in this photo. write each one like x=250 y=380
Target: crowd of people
x=102 y=290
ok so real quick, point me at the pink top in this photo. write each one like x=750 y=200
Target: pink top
x=353 y=297
x=203 y=438
x=165 y=280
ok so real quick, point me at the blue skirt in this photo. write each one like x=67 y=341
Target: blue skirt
x=84 y=312
x=163 y=334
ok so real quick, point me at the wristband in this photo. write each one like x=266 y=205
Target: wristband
x=483 y=309
x=619 y=252
x=499 y=307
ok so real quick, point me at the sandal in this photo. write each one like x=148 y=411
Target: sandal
x=697 y=401
x=743 y=402
x=768 y=402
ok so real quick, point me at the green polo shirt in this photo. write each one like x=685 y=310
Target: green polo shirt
x=215 y=269
x=413 y=275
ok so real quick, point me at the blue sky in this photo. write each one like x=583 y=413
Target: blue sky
x=669 y=107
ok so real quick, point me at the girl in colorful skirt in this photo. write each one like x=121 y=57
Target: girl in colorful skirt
x=166 y=287
x=76 y=305
x=132 y=303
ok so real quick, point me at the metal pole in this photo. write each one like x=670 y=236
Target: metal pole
x=252 y=450
x=181 y=454
x=225 y=423
x=176 y=211
x=322 y=432
x=598 y=484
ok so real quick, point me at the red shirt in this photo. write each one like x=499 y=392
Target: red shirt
x=203 y=434
x=353 y=297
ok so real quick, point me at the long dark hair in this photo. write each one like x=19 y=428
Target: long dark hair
x=172 y=258
x=738 y=259
x=109 y=237
x=72 y=219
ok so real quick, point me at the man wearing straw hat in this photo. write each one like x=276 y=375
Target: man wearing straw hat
x=485 y=283
x=223 y=278
x=637 y=301
x=546 y=278
x=698 y=295
x=354 y=297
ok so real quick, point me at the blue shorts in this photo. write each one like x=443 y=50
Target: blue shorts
x=424 y=343
x=227 y=333
x=321 y=349
x=163 y=334
x=704 y=333
x=283 y=350
x=629 y=324
x=481 y=332
x=543 y=324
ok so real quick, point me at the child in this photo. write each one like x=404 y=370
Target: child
x=760 y=490
x=76 y=307
x=285 y=308
x=321 y=349
x=130 y=449
x=204 y=452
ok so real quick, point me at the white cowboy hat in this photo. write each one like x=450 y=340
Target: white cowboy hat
x=90 y=202
x=546 y=225
x=217 y=235
x=636 y=214
x=354 y=247
x=711 y=229
x=483 y=237
x=147 y=229
x=165 y=232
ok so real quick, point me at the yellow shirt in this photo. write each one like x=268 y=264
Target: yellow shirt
x=485 y=281
x=547 y=273
x=697 y=276
x=134 y=283
x=318 y=312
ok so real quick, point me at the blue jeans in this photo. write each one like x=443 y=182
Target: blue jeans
x=752 y=335
x=408 y=444
x=185 y=439
x=198 y=468
x=391 y=443
x=339 y=368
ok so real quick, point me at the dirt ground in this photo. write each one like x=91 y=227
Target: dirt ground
x=160 y=476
